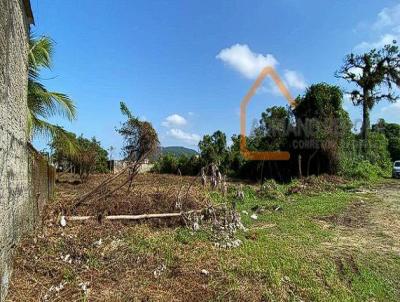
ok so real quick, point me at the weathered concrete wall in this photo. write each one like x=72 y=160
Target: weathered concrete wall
x=41 y=182
x=15 y=203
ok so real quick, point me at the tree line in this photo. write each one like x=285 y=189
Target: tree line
x=317 y=131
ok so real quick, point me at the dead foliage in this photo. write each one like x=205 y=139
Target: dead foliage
x=115 y=261
x=55 y=266
x=149 y=194
x=313 y=184
x=140 y=142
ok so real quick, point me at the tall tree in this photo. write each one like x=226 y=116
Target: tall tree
x=42 y=103
x=322 y=121
x=375 y=74
x=213 y=148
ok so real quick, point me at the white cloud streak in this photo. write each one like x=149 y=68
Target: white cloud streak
x=392 y=109
x=387 y=25
x=294 y=79
x=383 y=40
x=389 y=16
x=189 y=138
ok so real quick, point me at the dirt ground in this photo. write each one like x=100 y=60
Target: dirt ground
x=117 y=259
x=113 y=261
x=372 y=222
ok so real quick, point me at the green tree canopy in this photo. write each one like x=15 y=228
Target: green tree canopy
x=213 y=148
x=392 y=133
x=321 y=119
x=88 y=157
x=271 y=133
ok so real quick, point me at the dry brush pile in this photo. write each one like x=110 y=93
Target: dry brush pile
x=123 y=260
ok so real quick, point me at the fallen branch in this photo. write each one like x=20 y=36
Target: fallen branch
x=101 y=185
x=130 y=217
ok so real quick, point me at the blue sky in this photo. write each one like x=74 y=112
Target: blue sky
x=186 y=65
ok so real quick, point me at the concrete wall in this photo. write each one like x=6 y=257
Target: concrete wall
x=41 y=183
x=16 y=206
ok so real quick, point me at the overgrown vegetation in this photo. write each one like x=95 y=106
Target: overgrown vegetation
x=392 y=133
x=317 y=132
x=299 y=235
x=184 y=165
x=317 y=239
x=88 y=156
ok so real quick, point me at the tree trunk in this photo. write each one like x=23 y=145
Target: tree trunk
x=299 y=163
x=365 y=122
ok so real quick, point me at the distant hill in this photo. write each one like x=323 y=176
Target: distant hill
x=178 y=151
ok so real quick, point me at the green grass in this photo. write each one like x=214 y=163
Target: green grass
x=285 y=253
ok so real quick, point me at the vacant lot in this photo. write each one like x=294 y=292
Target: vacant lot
x=321 y=239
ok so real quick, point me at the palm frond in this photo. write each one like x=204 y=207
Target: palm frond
x=43 y=104
x=40 y=53
x=40 y=127
x=46 y=103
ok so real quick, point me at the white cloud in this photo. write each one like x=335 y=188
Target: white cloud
x=174 y=120
x=294 y=79
x=190 y=138
x=270 y=87
x=291 y=79
x=242 y=59
x=357 y=71
x=248 y=63
x=392 y=109
x=383 y=40
x=387 y=23
x=347 y=102
x=388 y=17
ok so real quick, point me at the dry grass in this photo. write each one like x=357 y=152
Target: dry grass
x=335 y=245
x=123 y=266
x=150 y=193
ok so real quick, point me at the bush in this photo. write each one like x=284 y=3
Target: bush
x=166 y=164
x=172 y=164
x=366 y=159
x=363 y=170
x=270 y=190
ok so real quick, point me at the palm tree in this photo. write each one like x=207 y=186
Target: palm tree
x=43 y=104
